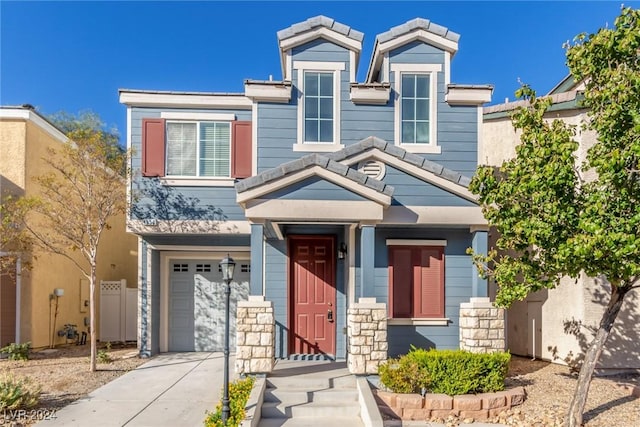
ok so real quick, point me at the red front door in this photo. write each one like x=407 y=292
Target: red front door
x=313 y=295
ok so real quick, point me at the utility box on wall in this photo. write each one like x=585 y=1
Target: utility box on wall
x=118 y=311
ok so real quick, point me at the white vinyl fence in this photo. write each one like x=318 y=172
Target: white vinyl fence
x=118 y=311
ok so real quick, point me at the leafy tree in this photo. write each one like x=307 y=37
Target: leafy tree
x=552 y=220
x=80 y=194
x=15 y=241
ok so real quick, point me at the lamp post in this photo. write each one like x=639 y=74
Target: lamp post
x=227 y=266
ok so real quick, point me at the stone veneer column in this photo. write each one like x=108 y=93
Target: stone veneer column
x=481 y=326
x=367 y=336
x=255 y=336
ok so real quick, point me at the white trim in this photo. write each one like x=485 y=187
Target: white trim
x=140 y=309
x=352 y=66
x=130 y=154
x=213 y=253
x=415 y=242
x=479 y=146
x=317 y=147
x=181 y=115
x=435 y=215
x=28 y=115
x=468 y=96
x=385 y=73
x=164 y=100
x=268 y=93
x=324 y=33
x=254 y=139
x=314 y=210
x=190 y=248
x=428 y=69
x=150 y=291
x=447 y=67
x=420 y=173
x=318 y=66
x=333 y=177
x=474 y=228
x=314 y=66
x=370 y=95
x=277 y=230
x=288 y=71
x=189 y=227
x=197 y=182
x=417 y=321
x=351 y=253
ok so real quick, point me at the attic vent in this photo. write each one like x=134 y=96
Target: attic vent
x=372 y=168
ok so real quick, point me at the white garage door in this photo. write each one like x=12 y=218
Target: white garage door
x=197 y=304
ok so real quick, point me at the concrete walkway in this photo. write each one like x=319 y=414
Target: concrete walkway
x=174 y=389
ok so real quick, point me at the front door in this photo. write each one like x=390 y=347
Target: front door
x=313 y=295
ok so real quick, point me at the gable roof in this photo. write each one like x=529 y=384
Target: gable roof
x=320 y=21
x=415 y=29
x=420 y=162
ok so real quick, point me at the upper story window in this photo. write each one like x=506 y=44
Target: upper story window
x=318 y=85
x=200 y=149
x=416 y=103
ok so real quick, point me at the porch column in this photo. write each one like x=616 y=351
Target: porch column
x=367 y=260
x=257 y=259
x=479 y=244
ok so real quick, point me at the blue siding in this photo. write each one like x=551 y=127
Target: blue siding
x=459 y=272
x=276 y=291
x=155 y=302
x=143 y=285
x=417 y=53
x=411 y=191
x=320 y=50
x=166 y=202
x=199 y=240
x=314 y=189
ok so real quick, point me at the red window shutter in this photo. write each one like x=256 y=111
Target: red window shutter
x=241 y=150
x=400 y=281
x=153 y=147
x=428 y=277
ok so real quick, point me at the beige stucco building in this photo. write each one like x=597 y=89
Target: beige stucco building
x=558 y=324
x=28 y=301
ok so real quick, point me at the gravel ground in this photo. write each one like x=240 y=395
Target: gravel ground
x=64 y=375
x=550 y=387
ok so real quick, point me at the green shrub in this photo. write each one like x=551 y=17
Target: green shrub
x=451 y=372
x=239 y=392
x=403 y=375
x=17 y=393
x=103 y=356
x=17 y=351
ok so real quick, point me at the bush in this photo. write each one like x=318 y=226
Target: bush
x=451 y=372
x=103 y=355
x=17 y=393
x=239 y=392
x=17 y=351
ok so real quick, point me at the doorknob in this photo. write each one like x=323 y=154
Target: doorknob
x=330 y=315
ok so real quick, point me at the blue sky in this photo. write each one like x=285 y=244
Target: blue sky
x=74 y=56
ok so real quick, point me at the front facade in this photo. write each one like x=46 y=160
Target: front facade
x=31 y=310
x=544 y=325
x=324 y=190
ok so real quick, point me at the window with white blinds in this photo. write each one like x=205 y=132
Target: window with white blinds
x=199 y=149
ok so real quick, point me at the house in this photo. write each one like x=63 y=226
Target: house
x=323 y=189
x=36 y=303
x=558 y=324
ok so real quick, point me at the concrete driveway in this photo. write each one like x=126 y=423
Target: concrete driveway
x=174 y=389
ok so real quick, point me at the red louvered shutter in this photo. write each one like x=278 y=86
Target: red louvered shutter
x=241 y=150
x=428 y=277
x=400 y=281
x=153 y=151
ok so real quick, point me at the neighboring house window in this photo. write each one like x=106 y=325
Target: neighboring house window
x=318 y=85
x=416 y=281
x=199 y=149
x=416 y=107
x=196 y=148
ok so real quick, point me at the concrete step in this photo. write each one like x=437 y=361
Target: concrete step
x=310 y=409
x=311 y=422
x=299 y=397
x=311 y=383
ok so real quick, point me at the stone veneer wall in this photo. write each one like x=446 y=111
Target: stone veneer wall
x=481 y=326
x=367 y=335
x=255 y=336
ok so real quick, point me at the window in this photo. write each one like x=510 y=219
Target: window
x=416 y=102
x=318 y=106
x=198 y=149
x=318 y=85
x=415 y=109
x=180 y=267
x=416 y=281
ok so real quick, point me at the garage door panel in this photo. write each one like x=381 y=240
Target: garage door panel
x=197 y=304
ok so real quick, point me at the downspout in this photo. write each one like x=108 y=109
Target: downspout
x=18 y=297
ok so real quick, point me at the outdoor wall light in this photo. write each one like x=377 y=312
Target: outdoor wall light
x=342 y=251
x=227 y=265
